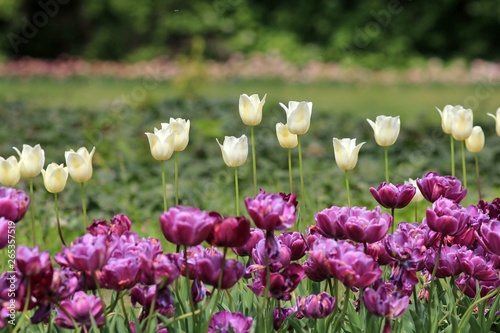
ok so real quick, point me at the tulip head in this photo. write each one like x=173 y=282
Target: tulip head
x=346 y=153
x=161 y=142
x=461 y=127
x=234 y=150
x=180 y=128
x=418 y=195
x=31 y=160
x=80 y=164
x=55 y=177
x=386 y=130
x=9 y=171
x=475 y=142
x=251 y=109
x=497 y=121
x=298 y=116
x=285 y=138
x=447 y=117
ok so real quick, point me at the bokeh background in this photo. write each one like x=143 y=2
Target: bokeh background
x=102 y=72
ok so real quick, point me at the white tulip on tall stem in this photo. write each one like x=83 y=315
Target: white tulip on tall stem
x=461 y=129
x=346 y=156
x=386 y=131
x=475 y=143
x=288 y=141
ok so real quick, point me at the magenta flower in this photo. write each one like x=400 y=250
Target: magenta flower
x=186 y=226
x=449 y=264
x=393 y=196
x=32 y=263
x=329 y=222
x=98 y=227
x=209 y=270
x=366 y=226
x=384 y=302
x=144 y=295
x=87 y=254
x=272 y=211
x=230 y=232
x=490 y=236
x=4 y=232
x=447 y=217
x=296 y=242
x=468 y=285
x=225 y=322
x=120 y=274
x=120 y=224
x=433 y=186
x=280 y=315
x=246 y=250
x=277 y=260
x=407 y=244
x=13 y=203
x=314 y=270
x=315 y=306
x=281 y=284
x=477 y=266
x=81 y=308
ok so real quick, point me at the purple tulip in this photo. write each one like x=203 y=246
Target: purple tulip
x=366 y=226
x=433 y=186
x=87 y=254
x=315 y=306
x=186 y=226
x=407 y=244
x=329 y=222
x=98 y=227
x=230 y=232
x=198 y=291
x=64 y=284
x=277 y=260
x=379 y=253
x=314 y=271
x=447 y=217
x=246 y=250
x=477 y=266
x=272 y=211
x=281 y=284
x=120 y=274
x=296 y=242
x=82 y=308
x=449 y=264
x=280 y=315
x=209 y=271
x=225 y=322
x=4 y=232
x=467 y=285
x=490 y=236
x=384 y=302
x=393 y=196
x=13 y=203
x=144 y=296
x=32 y=263
x=120 y=224
x=491 y=209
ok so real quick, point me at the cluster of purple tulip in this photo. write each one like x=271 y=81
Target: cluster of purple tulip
x=350 y=245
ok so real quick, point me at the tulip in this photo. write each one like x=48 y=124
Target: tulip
x=80 y=164
x=386 y=130
x=490 y=236
x=250 y=108
x=4 y=231
x=83 y=309
x=234 y=150
x=346 y=153
x=330 y=220
x=55 y=177
x=476 y=266
x=31 y=160
x=366 y=226
x=418 y=195
x=447 y=117
x=246 y=249
x=447 y=217
x=285 y=138
x=393 y=196
x=385 y=302
x=461 y=127
x=449 y=264
x=272 y=211
x=219 y=273
x=225 y=321
x=230 y=232
x=120 y=273
x=10 y=172
x=497 y=120
x=315 y=306
x=180 y=128
x=475 y=142
x=162 y=142
x=13 y=204
x=146 y=295
x=296 y=242
x=280 y=314
x=298 y=116
x=281 y=284
x=433 y=186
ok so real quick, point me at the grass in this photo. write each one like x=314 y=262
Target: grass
x=64 y=114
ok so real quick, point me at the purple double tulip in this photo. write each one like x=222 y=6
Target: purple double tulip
x=447 y=217
x=272 y=211
x=226 y=321
x=433 y=186
x=315 y=306
x=82 y=308
x=13 y=203
x=393 y=196
x=385 y=302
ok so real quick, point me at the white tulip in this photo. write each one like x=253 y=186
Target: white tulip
x=386 y=130
x=31 y=160
x=461 y=127
x=79 y=164
x=285 y=138
x=161 y=143
x=346 y=153
x=447 y=118
x=180 y=127
x=9 y=171
x=475 y=142
x=298 y=116
x=250 y=108
x=234 y=150
x=497 y=121
x=55 y=177
x=418 y=195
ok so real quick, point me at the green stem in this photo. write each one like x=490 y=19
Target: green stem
x=416 y=211
x=472 y=306
x=452 y=150
x=176 y=177
x=188 y=287
x=56 y=206
x=164 y=186
x=290 y=178
x=223 y=263
x=432 y=283
x=237 y=191
x=254 y=160
x=393 y=225
x=84 y=205
x=347 y=188
x=302 y=191
x=386 y=158
x=344 y=310
x=32 y=211
x=478 y=179
x=25 y=308
x=464 y=170
x=124 y=309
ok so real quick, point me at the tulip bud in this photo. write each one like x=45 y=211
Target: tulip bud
x=461 y=127
x=298 y=116
x=180 y=128
x=80 y=164
x=475 y=142
x=386 y=130
x=446 y=118
x=9 y=171
x=55 y=177
x=31 y=160
x=346 y=153
x=285 y=138
x=234 y=150
x=418 y=195
x=497 y=120
x=161 y=143
x=251 y=109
